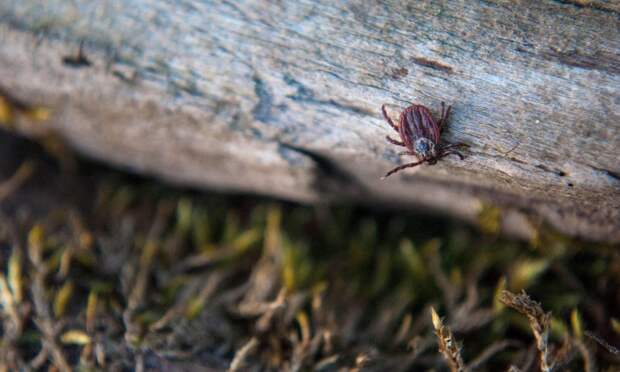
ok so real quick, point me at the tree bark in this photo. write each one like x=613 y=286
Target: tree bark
x=283 y=98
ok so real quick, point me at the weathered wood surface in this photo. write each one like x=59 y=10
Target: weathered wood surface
x=283 y=98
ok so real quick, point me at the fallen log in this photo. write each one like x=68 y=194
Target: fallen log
x=284 y=98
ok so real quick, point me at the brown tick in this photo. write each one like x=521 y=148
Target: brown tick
x=419 y=134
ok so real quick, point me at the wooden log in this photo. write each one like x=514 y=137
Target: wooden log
x=283 y=98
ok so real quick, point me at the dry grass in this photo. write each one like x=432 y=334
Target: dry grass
x=540 y=323
x=123 y=273
x=448 y=346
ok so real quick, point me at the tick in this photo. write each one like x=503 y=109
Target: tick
x=420 y=134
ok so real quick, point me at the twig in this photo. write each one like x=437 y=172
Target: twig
x=241 y=355
x=449 y=291
x=539 y=323
x=136 y=296
x=603 y=343
x=447 y=344
x=589 y=362
x=43 y=319
x=487 y=353
x=20 y=176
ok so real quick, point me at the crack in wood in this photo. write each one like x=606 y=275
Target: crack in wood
x=79 y=60
x=435 y=65
x=600 y=60
x=581 y=4
x=611 y=174
x=557 y=172
x=399 y=73
x=262 y=109
x=329 y=179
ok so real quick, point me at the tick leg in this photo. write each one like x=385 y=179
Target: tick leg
x=444 y=114
x=392 y=140
x=401 y=167
x=405 y=153
x=385 y=115
x=453 y=145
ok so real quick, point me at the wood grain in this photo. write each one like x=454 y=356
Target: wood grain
x=283 y=98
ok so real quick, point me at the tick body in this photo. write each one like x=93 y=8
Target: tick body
x=420 y=134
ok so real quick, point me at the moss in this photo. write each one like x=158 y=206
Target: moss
x=490 y=218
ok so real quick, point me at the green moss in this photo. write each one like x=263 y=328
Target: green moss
x=490 y=218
